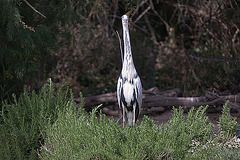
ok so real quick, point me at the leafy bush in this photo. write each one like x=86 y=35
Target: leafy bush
x=227 y=124
x=79 y=136
x=76 y=136
x=221 y=146
x=50 y=125
x=23 y=120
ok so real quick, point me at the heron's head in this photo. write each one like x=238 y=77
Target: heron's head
x=124 y=19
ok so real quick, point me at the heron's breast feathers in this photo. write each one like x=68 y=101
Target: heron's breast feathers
x=128 y=91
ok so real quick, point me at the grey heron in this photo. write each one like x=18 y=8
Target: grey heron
x=129 y=87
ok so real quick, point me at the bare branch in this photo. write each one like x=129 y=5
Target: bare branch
x=33 y=8
x=138 y=6
x=216 y=59
x=153 y=36
x=166 y=24
x=144 y=12
x=234 y=38
x=120 y=45
x=114 y=15
x=235 y=34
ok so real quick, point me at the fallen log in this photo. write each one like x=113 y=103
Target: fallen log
x=188 y=102
x=108 y=111
x=155 y=101
x=111 y=98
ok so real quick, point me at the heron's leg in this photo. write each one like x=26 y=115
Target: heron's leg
x=134 y=112
x=123 y=115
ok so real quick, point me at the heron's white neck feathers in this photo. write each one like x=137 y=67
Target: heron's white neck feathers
x=128 y=69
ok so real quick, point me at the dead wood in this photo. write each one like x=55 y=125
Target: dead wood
x=108 y=111
x=156 y=101
x=111 y=98
x=188 y=102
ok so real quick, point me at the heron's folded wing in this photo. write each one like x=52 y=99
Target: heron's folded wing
x=137 y=83
x=119 y=89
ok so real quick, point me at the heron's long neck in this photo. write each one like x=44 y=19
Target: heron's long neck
x=128 y=65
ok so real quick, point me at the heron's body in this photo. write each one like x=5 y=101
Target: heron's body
x=129 y=87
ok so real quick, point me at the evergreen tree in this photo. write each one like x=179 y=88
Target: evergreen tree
x=29 y=33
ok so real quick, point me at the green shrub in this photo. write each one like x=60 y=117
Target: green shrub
x=49 y=125
x=227 y=124
x=76 y=136
x=222 y=145
x=180 y=132
x=23 y=120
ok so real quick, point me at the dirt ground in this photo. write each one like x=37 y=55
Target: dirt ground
x=212 y=117
x=162 y=118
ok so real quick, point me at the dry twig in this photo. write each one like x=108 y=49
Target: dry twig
x=33 y=8
x=120 y=45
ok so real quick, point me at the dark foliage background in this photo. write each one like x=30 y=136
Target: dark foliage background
x=193 y=45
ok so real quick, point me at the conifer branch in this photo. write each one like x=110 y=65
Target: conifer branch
x=33 y=8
